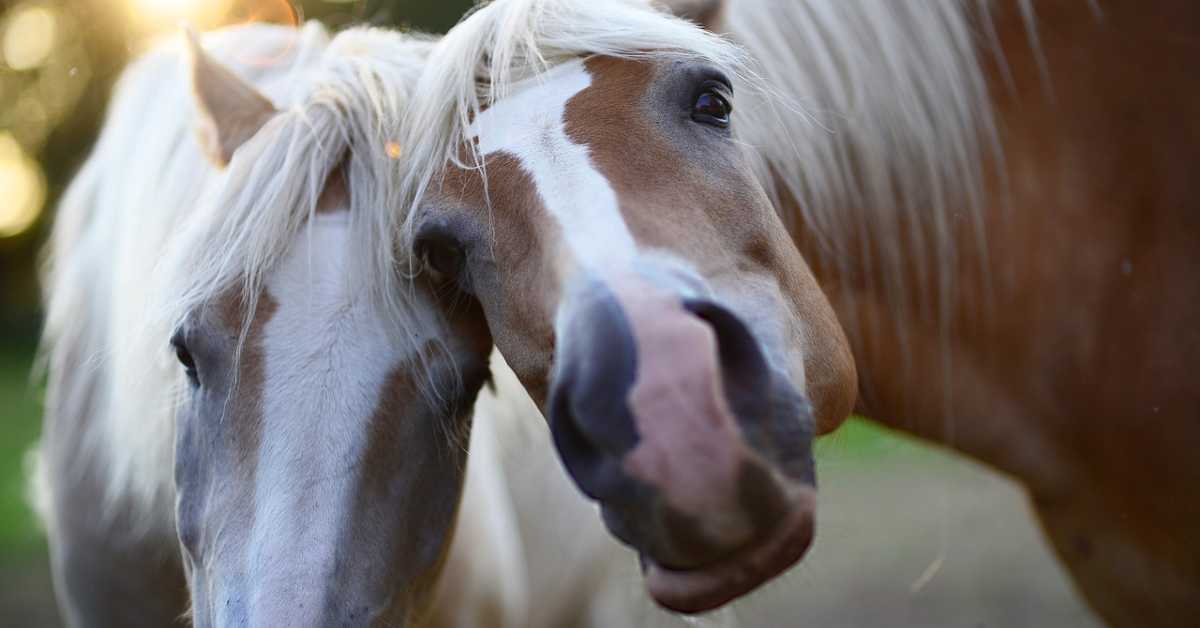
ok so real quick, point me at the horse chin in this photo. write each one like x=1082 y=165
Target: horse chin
x=705 y=588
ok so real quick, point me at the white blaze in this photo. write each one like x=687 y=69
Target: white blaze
x=530 y=125
x=327 y=356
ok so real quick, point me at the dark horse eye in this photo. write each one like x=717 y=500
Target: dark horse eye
x=185 y=358
x=441 y=254
x=712 y=108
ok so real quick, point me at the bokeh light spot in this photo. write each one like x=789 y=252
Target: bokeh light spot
x=24 y=188
x=29 y=36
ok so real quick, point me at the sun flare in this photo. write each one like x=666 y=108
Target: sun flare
x=200 y=13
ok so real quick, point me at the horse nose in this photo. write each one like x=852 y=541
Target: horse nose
x=647 y=409
x=596 y=366
x=744 y=372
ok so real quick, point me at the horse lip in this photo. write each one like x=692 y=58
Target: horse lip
x=709 y=587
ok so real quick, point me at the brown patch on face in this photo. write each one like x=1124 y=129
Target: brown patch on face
x=388 y=436
x=246 y=393
x=413 y=471
x=732 y=237
x=336 y=195
x=223 y=429
x=520 y=239
x=659 y=186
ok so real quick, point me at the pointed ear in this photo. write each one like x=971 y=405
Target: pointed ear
x=706 y=13
x=231 y=110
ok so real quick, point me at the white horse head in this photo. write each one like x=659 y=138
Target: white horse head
x=316 y=406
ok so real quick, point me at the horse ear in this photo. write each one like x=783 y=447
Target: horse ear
x=231 y=110
x=706 y=13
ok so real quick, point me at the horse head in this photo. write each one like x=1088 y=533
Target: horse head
x=321 y=441
x=592 y=195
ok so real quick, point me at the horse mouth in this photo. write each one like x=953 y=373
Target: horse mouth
x=706 y=588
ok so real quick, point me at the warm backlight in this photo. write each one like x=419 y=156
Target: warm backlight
x=24 y=188
x=169 y=13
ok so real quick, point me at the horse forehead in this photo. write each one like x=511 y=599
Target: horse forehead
x=314 y=268
x=330 y=361
x=328 y=333
x=530 y=126
x=534 y=108
x=305 y=332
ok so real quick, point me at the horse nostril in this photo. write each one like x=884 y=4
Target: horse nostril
x=590 y=458
x=589 y=465
x=745 y=373
x=589 y=418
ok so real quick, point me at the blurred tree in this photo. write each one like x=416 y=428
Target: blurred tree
x=434 y=17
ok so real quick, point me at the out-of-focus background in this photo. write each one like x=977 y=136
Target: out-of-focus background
x=909 y=535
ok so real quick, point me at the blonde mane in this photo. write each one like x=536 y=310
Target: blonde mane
x=503 y=43
x=897 y=136
x=149 y=231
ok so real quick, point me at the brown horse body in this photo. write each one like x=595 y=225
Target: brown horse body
x=993 y=199
x=1069 y=358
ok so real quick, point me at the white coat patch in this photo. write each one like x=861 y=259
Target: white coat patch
x=327 y=356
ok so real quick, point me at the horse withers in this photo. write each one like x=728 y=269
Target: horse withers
x=298 y=460
x=636 y=277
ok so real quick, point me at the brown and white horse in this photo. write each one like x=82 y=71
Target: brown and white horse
x=995 y=200
x=635 y=277
x=299 y=460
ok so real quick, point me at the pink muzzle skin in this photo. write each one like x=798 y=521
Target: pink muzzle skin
x=665 y=409
x=690 y=448
x=753 y=522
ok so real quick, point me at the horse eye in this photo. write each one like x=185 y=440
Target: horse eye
x=712 y=108
x=442 y=255
x=185 y=358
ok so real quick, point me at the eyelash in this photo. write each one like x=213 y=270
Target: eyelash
x=715 y=90
x=185 y=358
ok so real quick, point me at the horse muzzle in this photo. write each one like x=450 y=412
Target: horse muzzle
x=666 y=410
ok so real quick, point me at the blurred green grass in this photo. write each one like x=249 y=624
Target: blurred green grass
x=860 y=441
x=21 y=411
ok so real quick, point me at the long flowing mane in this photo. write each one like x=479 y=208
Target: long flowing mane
x=899 y=127
x=148 y=230
x=502 y=43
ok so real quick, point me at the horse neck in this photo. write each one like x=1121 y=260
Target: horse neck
x=887 y=185
x=873 y=165
x=1087 y=125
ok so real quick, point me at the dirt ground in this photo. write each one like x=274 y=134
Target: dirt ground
x=26 y=599
x=908 y=536
x=915 y=538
